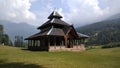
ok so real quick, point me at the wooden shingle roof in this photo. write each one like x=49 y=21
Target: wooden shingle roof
x=82 y=35
x=54 y=18
x=54 y=21
x=51 y=32
x=56 y=27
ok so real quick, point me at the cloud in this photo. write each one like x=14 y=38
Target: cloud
x=80 y=12
x=33 y=0
x=89 y=11
x=83 y=11
x=112 y=5
x=16 y=11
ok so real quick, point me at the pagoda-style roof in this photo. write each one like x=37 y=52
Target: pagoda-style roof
x=56 y=27
x=54 y=18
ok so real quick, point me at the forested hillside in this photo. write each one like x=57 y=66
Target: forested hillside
x=4 y=38
x=102 y=32
x=18 y=29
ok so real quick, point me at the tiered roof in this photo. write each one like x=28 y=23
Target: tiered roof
x=54 y=19
x=54 y=27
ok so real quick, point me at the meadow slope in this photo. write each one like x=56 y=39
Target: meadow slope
x=12 y=57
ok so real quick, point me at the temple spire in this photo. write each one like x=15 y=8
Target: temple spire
x=54 y=14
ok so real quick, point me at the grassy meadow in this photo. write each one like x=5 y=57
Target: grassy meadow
x=12 y=57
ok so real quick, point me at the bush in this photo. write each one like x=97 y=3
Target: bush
x=111 y=45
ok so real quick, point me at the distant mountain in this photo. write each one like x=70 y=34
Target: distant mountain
x=15 y=29
x=103 y=32
x=116 y=16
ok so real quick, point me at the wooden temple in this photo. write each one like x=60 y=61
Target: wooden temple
x=56 y=35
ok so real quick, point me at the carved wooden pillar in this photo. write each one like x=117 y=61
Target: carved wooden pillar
x=71 y=44
x=39 y=43
x=33 y=42
x=48 y=42
x=60 y=43
x=55 y=42
x=65 y=42
x=28 y=43
x=77 y=43
x=36 y=42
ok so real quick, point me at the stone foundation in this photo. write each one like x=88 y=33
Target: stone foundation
x=63 y=48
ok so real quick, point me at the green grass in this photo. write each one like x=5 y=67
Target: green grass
x=12 y=57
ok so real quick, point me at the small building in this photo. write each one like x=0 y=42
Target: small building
x=56 y=35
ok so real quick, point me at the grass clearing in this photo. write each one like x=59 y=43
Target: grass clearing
x=12 y=57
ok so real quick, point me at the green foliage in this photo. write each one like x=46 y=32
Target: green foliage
x=19 y=41
x=12 y=57
x=102 y=32
x=4 y=38
x=111 y=45
x=93 y=47
x=1 y=28
x=1 y=33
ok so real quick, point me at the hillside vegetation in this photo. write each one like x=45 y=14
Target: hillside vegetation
x=18 y=29
x=103 y=32
x=12 y=57
x=4 y=38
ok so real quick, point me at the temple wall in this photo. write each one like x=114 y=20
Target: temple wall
x=79 y=48
x=56 y=48
x=62 y=48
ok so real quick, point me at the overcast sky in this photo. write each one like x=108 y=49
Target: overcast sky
x=78 y=12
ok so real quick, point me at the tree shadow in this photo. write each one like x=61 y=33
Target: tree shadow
x=24 y=49
x=33 y=50
x=4 y=64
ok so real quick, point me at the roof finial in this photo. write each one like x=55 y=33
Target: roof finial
x=54 y=8
x=54 y=14
x=54 y=11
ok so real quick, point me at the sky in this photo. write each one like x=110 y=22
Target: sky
x=77 y=12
